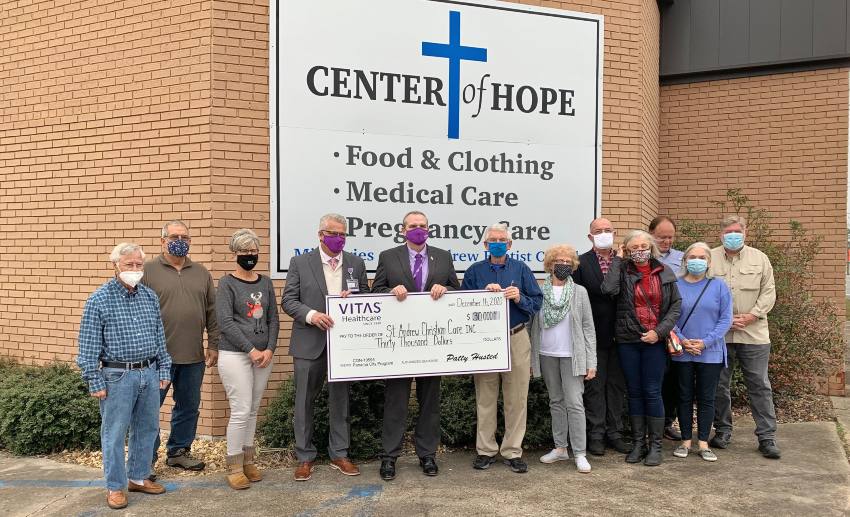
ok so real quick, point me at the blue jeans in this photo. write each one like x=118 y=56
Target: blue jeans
x=703 y=376
x=132 y=404
x=186 y=379
x=643 y=367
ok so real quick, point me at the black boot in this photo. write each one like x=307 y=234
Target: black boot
x=639 y=439
x=656 y=435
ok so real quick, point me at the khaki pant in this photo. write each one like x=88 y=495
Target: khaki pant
x=515 y=394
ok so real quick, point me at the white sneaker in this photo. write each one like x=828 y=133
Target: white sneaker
x=582 y=464
x=553 y=456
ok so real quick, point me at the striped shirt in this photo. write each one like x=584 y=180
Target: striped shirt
x=121 y=326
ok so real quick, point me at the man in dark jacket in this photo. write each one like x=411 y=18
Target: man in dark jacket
x=604 y=396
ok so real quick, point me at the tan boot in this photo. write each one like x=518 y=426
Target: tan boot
x=248 y=468
x=236 y=479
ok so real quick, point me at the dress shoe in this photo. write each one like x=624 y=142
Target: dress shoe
x=147 y=487
x=304 y=471
x=429 y=465
x=720 y=440
x=768 y=449
x=596 y=447
x=388 y=469
x=345 y=466
x=116 y=500
x=619 y=445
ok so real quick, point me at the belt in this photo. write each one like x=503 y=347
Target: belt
x=129 y=366
x=518 y=328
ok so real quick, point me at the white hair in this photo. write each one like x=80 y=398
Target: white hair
x=173 y=222
x=498 y=227
x=243 y=240
x=124 y=248
x=697 y=245
x=640 y=234
x=323 y=222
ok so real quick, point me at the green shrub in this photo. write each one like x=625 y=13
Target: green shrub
x=46 y=409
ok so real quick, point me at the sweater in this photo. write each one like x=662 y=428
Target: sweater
x=247 y=314
x=710 y=320
x=582 y=332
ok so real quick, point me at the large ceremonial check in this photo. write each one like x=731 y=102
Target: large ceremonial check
x=378 y=337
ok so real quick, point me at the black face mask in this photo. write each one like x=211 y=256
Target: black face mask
x=247 y=262
x=563 y=271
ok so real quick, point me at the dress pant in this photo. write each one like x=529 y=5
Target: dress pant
x=753 y=360
x=310 y=376
x=515 y=394
x=605 y=396
x=396 y=403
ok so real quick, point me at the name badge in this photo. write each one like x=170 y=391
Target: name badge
x=353 y=285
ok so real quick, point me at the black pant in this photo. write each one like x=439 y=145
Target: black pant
x=604 y=397
x=670 y=394
x=396 y=401
x=696 y=380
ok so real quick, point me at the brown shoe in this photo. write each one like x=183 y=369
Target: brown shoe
x=116 y=500
x=248 y=467
x=148 y=487
x=236 y=477
x=304 y=471
x=345 y=466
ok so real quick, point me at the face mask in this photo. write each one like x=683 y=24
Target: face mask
x=497 y=249
x=603 y=241
x=247 y=262
x=697 y=266
x=417 y=236
x=335 y=243
x=733 y=241
x=131 y=278
x=178 y=248
x=563 y=271
x=640 y=256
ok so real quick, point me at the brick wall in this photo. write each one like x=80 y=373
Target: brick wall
x=781 y=139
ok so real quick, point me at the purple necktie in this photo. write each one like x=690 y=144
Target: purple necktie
x=417 y=272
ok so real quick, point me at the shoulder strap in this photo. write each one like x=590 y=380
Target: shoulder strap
x=695 y=304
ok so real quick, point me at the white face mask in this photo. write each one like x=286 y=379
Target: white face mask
x=603 y=240
x=131 y=278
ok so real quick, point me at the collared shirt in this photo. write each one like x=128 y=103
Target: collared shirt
x=412 y=254
x=122 y=326
x=749 y=276
x=605 y=261
x=672 y=259
x=187 y=306
x=512 y=272
x=333 y=279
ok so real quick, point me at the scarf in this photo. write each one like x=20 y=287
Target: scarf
x=555 y=310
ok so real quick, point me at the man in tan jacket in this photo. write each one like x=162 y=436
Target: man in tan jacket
x=749 y=275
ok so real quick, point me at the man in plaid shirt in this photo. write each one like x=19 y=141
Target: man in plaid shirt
x=125 y=363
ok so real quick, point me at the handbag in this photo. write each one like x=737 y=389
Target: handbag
x=674 y=344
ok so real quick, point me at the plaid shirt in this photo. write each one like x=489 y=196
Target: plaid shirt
x=121 y=326
x=605 y=262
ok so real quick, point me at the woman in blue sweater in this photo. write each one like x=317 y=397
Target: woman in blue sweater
x=705 y=318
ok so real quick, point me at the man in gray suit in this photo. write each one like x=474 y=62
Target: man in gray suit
x=413 y=267
x=327 y=270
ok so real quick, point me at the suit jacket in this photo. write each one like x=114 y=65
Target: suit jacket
x=394 y=269
x=305 y=291
x=603 y=306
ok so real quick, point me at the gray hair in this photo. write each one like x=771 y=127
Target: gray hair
x=124 y=248
x=700 y=245
x=412 y=212
x=244 y=239
x=498 y=227
x=173 y=222
x=332 y=217
x=729 y=220
x=640 y=234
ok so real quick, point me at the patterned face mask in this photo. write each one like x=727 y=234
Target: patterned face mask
x=562 y=271
x=178 y=248
x=640 y=256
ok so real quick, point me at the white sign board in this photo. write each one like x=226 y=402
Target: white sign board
x=473 y=112
x=378 y=337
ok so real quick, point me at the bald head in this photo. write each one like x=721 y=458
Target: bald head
x=602 y=224
x=601 y=234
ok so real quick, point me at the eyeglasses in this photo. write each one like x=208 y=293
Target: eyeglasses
x=328 y=233
x=173 y=238
x=501 y=239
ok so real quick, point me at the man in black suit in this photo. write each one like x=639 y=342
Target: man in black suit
x=604 y=395
x=413 y=267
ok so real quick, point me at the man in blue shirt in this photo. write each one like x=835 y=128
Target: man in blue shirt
x=125 y=363
x=663 y=229
x=500 y=273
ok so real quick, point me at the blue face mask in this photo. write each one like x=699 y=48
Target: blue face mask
x=178 y=248
x=733 y=241
x=497 y=249
x=697 y=266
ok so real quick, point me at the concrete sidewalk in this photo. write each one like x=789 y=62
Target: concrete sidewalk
x=812 y=478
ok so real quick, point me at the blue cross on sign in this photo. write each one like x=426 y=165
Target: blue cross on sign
x=455 y=52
